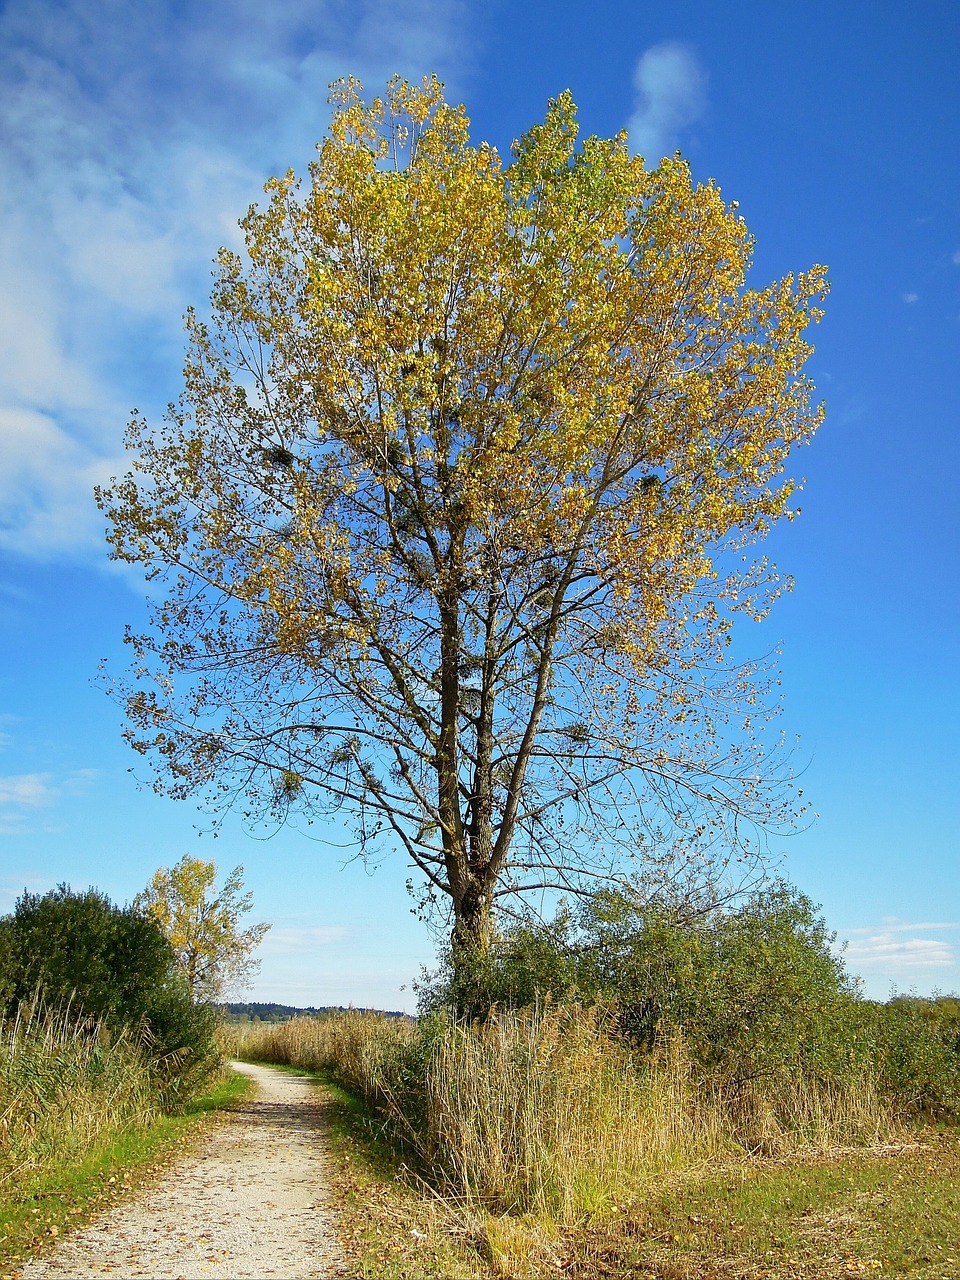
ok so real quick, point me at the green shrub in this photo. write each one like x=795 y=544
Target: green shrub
x=525 y=964
x=754 y=990
x=917 y=1047
x=113 y=967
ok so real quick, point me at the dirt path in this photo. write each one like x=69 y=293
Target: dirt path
x=250 y=1202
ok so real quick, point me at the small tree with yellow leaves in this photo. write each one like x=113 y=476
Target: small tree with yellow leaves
x=202 y=925
x=456 y=507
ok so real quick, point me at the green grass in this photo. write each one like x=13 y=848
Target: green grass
x=888 y=1214
x=36 y=1210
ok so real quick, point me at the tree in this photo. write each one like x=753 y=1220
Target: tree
x=455 y=509
x=211 y=950
x=106 y=962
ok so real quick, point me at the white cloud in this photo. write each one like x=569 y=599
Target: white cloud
x=286 y=941
x=26 y=790
x=365 y=988
x=415 y=37
x=889 y=950
x=911 y=297
x=23 y=795
x=671 y=94
x=78 y=780
x=896 y=954
x=46 y=485
x=956 y=258
x=893 y=924
x=37 y=370
x=132 y=137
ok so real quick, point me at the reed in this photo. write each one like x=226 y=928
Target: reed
x=542 y=1111
x=547 y=1111
x=66 y=1085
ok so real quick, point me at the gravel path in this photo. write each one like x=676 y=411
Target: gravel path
x=250 y=1202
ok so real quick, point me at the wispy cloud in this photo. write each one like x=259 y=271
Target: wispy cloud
x=894 y=954
x=23 y=795
x=895 y=949
x=894 y=925
x=26 y=790
x=671 y=95
x=127 y=152
x=22 y=798
x=285 y=940
x=911 y=297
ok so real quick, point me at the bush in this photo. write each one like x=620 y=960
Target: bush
x=110 y=966
x=917 y=1048
x=754 y=991
x=525 y=964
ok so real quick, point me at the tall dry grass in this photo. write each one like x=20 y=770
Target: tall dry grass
x=361 y=1048
x=542 y=1111
x=547 y=1111
x=65 y=1087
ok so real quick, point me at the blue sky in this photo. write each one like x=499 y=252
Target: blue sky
x=133 y=136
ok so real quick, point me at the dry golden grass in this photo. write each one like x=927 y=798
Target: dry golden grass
x=64 y=1087
x=544 y=1112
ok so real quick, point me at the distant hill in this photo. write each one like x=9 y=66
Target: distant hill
x=260 y=1011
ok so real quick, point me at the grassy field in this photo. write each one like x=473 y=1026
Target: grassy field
x=892 y=1212
x=534 y=1144
x=664 y=1191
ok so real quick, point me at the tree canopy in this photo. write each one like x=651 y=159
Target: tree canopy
x=104 y=962
x=213 y=953
x=457 y=504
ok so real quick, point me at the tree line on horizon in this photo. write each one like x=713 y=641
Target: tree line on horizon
x=270 y=1011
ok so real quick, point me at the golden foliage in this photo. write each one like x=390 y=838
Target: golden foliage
x=202 y=925
x=461 y=458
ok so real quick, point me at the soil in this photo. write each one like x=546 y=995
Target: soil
x=251 y=1201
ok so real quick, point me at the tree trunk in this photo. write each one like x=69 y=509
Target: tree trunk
x=470 y=950
x=472 y=917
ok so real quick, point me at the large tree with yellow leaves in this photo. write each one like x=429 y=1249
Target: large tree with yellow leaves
x=456 y=506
